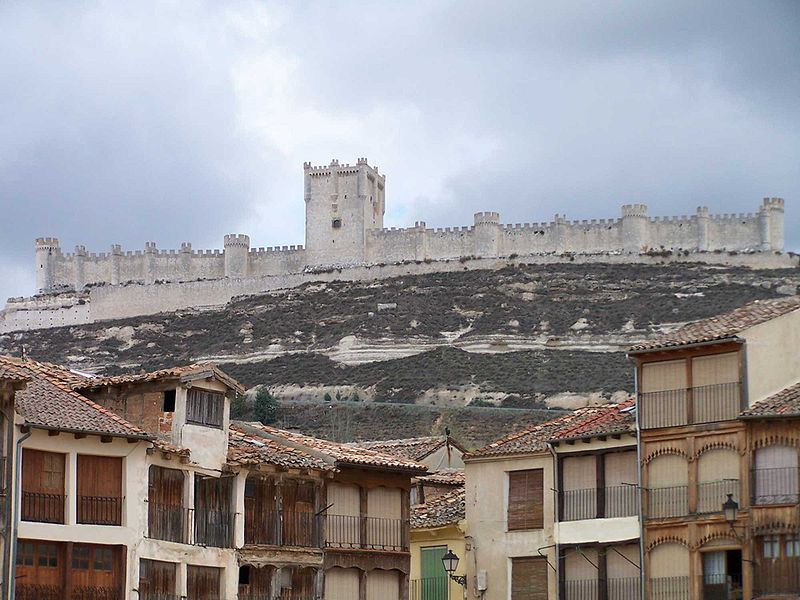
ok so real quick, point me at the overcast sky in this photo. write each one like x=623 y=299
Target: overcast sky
x=125 y=122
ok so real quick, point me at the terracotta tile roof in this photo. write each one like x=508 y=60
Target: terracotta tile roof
x=185 y=373
x=413 y=448
x=165 y=446
x=339 y=454
x=248 y=448
x=444 y=510
x=594 y=421
x=444 y=477
x=785 y=403
x=591 y=421
x=723 y=326
x=48 y=401
x=11 y=373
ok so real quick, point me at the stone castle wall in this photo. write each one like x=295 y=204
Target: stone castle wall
x=137 y=299
x=344 y=228
x=635 y=232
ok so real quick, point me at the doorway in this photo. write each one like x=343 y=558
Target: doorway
x=722 y=575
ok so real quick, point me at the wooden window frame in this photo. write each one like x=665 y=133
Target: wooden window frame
x=205 y=408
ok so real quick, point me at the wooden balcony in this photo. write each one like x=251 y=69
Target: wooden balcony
x=370 y=533
x=189 y=526
x=284 y=528
x=617 y=501
x=689 y=406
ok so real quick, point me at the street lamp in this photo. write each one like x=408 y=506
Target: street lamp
x=450 y=562
x=729 y=508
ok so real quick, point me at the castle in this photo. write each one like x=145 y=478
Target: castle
x=344 y=227
x=345 y=205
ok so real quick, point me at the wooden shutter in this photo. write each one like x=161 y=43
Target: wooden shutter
x=529 y=579
x=100 y=476
x=205 y=408
x=42 y=472
x=156 y=577
x=525 y=498
x=202 y=583
x=166 y=486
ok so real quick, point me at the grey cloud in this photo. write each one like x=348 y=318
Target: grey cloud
x=124 y=121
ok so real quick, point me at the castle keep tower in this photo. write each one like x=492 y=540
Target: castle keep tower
x=47 y=251
x=237 y=247
x=634 y=228
x=343 y=202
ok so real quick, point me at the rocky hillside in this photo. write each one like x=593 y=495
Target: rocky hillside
x=520 y=336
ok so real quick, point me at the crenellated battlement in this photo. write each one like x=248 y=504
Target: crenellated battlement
x=634 y=210
x=344 y=226
x=237 y=239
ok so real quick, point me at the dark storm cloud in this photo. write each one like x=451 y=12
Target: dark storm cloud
x=123 y=122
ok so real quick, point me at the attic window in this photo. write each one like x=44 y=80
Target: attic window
x=169 y=401
x=205 y=408
x=337 y=223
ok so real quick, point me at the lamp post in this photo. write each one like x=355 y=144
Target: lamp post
x=450 y=562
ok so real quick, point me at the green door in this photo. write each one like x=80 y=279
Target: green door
x=434 y=577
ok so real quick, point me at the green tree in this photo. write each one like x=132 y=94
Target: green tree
x=265 y=406
x=240 y=408
x=328 y=397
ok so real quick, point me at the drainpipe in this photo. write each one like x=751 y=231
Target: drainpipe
x=639 y=481
x=15 y=523
x=556 y=516
x=7 y=510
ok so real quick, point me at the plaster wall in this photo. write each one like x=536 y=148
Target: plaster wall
x=493 y=545
x=452 y=537
x=771 y=357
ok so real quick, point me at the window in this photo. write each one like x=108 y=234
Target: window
x=103 y=559
x=771 y=546
x=525 y=497
x=169 y=401
x=337 y=224
x=205 y=408
x=776 y=475
x=244 y=575
x=80 y=557
x=48 y=555
x=25 y=551
x=793 y=546
x=53 y=471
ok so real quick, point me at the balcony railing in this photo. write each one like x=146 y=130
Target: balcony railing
x=345 y=531
x=776 y=486
x=164 y=596
x=42 y=508
x=668 y=502
x=773 y=577
x=579 y=504
x=622 y=588
x=711 y=495
x=284 y=528
x=685 y=406
x=620 y=501
x=99 y=510
x=428 y=588
x=189 y=526
x=669 y=588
